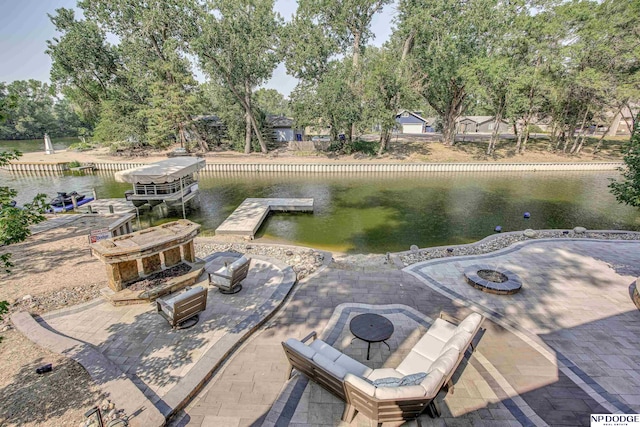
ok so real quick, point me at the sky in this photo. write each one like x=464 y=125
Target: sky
x=25 y=28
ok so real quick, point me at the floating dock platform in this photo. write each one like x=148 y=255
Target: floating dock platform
x=247 y=218
x=109 y=206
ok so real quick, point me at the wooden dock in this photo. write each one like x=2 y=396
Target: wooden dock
x=108 y=206
x=248 y=217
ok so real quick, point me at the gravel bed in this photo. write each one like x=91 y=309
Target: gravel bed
x=53 y=300
x=500 y=241
x=303 y=261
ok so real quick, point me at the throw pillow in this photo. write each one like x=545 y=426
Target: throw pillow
x=413 y=379
x=387 y=382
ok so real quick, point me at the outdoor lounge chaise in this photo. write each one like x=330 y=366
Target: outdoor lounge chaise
x=388 y=394
x=183 y=306
x=228 y=278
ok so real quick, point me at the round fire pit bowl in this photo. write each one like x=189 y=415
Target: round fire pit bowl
x=493 y=280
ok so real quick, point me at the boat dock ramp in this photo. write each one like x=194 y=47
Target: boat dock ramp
x=247 y=218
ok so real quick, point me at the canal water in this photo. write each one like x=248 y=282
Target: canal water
x=377 y=213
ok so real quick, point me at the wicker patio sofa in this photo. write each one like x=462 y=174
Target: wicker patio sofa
x=437 y=354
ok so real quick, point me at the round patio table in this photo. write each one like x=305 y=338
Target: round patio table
x=371 y=327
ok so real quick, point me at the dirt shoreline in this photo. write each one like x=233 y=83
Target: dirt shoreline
x=405 y=149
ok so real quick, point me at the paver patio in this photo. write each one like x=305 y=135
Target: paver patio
x=520 y=375
x=564 y=347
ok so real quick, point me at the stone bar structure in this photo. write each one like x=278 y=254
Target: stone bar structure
x=167 y=244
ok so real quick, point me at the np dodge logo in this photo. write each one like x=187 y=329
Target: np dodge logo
x=615 y=420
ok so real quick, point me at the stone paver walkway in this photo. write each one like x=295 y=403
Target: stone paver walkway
x=168 y=365
x=575 y=304
x=564 y=347
x=510 y=380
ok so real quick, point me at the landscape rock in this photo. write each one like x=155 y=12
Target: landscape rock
x=532 y=234
x=579 y=230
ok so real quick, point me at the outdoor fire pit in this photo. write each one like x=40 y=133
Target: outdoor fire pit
x=493 y=280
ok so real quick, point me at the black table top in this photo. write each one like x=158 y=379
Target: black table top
x=371 y=327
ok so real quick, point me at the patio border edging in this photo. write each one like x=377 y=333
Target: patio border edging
x=108 y=377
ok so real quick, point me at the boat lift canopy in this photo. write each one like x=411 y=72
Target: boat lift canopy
x=163 y=171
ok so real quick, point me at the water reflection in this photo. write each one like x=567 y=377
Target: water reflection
x=379 y=213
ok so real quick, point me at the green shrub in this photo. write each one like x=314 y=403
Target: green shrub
x=81 y=146
x=74 y=164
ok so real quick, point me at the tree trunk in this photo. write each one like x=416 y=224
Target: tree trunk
x=525 y=138
x=247 y=132
x=581 y=134
x=252 y=120
x=615 y=123
x=494 y=135
x=452 y=112
x=384 y=141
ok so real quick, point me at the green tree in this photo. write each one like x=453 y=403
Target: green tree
x=84 y=66
x=236 y=43
x=627 y=190
x=272 y=102
x=444 y=36
x=322 y=30
x=386 y=89
x=15 y=221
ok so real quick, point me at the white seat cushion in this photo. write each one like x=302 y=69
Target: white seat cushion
x=433 y=382
x=442 y=330
x=353 y=366
x=300 y=348
x=458 y=342
x=414 y=363
x=429 y=346
x=360 y=384
x=328 y=365
x=445 y=362
x=383 y=373
x=325 y=349
x=470 y=323
x=409 y=391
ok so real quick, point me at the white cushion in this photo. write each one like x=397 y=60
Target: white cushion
x=360 y=384
x=410 y=391
x=433 y=382
x=429 y=346
x=328 y=365
x=382 y=373
x=238 y=263
x=184 y=295
x=222 y=271
x=442 y=330
x=413 y=363
x=353 y=366
x=324 y=348
x=300 y=348
x=445 y=362
x=471 y=322
x=458 y=342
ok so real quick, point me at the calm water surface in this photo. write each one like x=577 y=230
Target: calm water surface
x=377 y=213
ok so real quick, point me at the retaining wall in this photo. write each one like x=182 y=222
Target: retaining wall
x=342 y=167
x=409 y=167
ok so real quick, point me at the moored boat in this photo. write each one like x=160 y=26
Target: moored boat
x=173 y=181
x=64 y=199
